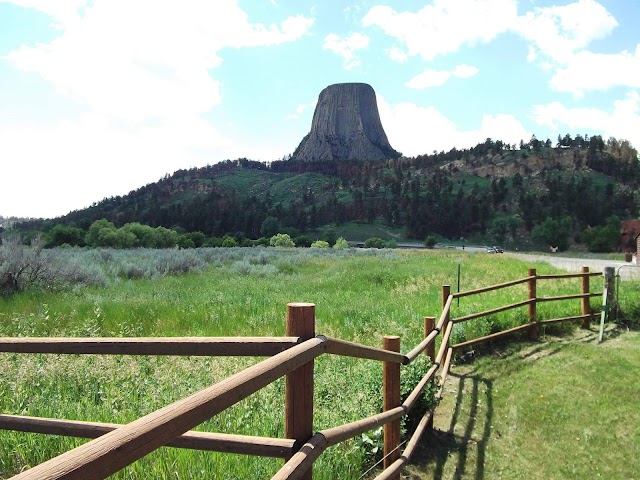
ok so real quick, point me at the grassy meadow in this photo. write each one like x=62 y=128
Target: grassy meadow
x=360 y=295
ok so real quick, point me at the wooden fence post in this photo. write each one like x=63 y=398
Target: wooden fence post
x=586 y=301
x=533 y=331
x=430 y=351
x=446 y=291
x=298 y=424
x=391 y=399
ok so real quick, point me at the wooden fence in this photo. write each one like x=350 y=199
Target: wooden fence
x=116 y=446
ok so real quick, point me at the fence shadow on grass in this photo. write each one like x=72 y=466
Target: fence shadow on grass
x=456 y=448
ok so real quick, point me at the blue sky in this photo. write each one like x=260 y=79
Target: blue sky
x=98 y=98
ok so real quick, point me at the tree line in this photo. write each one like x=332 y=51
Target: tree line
x=427 y=195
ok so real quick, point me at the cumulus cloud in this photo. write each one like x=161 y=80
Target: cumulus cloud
x=560 y=31
x=587 y=71
x=444 y=26
x=416 y=130
x=63 y=13
x=397 y=55
x=346 y=47
x=621 y=121
x=140 y=74
x=104 y=61
x=436 y=78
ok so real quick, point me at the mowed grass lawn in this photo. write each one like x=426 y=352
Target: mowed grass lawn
x=562 y=408
x=359 y=296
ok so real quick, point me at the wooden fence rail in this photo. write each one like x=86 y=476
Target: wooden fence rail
x=115 y=446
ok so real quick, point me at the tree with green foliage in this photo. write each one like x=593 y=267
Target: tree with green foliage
x=603 y=238
x=270 y=226
x=330 y=235
x=166 y=238
x=65 y=235
x=374 y=242
x=229 y=242
x=146 y=236
x=99 y=233
x=302 y=241
x=281 y=240
x=430 y=241
x=553 y=232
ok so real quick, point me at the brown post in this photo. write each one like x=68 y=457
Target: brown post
x=446 y=291
x=298 y=406
x=533 y=331
x=391 y=399
x=586 y=301
x=430 y=351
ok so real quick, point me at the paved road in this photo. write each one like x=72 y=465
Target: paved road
x=570 y=264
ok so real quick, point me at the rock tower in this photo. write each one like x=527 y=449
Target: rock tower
x=346 y=126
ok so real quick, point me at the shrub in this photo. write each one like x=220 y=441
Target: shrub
x=320 y=244
x=302 y=241
x=330 y=236
x=430 y=241
x=341 y=244
x=229 y=242
x=374 y=242
x=281 y=240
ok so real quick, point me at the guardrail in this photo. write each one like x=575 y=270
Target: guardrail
x=115 y=446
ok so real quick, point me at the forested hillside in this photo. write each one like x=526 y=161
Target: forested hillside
x=537 y=191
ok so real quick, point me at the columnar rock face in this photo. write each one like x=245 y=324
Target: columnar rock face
x=346 y=126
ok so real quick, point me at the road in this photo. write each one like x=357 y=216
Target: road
x=626 y=270
x=571 y=264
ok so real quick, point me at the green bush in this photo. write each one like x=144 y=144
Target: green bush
x=374 y=242
x=320 y=244
x=430 y=241
x=341 y=244
x=229 y=242
x=302 y=241
x=281 y=240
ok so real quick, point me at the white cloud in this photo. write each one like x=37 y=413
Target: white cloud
x=141 y=73
x=346 y=47
x=622 y=121
x=587 y=71
x=465 y=71
x=104 y=60
x=300 y=109
x=444 y=26
x=63 y=12
x=560 y=31
x=436 y=78
x=397 y=55
x=429 y=78
x=416 y=130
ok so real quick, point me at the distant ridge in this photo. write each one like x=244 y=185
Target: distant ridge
x=346 y=126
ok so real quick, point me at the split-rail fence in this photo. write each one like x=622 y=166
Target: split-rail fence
x=115 y=446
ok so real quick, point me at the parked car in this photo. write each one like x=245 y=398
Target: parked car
x=495 y=249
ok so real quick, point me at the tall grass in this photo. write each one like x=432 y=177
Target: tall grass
x=359 y=295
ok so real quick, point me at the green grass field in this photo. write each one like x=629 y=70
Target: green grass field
x=359 y=295
x=563 y=408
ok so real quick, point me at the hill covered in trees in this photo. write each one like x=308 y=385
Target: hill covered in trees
x=538 y=192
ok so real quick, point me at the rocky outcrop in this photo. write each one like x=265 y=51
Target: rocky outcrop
x=346 y=126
